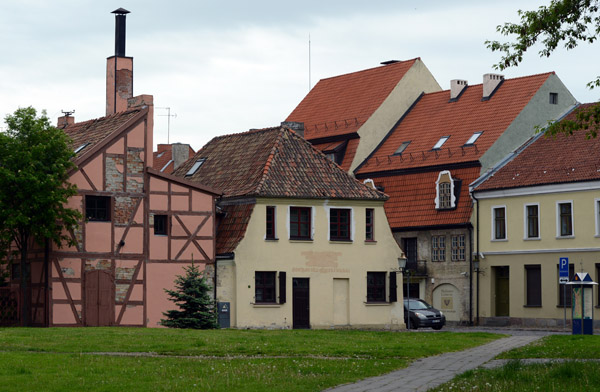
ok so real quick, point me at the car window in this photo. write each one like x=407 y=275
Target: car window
x=418 y=304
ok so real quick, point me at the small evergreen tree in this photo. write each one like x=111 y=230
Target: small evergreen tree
x=191 y=294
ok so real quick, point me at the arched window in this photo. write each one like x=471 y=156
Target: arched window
x=445 y=198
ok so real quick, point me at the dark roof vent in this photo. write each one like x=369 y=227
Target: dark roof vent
x=120 y=15
x=389 y=62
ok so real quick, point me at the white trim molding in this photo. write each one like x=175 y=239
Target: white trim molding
x=526 y=221
x=558 y=223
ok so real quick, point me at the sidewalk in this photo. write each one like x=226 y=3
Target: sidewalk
x=430 y=372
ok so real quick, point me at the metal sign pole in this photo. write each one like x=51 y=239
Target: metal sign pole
x=565 y=305
x=408 y=295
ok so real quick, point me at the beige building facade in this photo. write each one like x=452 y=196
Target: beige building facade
x=337 y=276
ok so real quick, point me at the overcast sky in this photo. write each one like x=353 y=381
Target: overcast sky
x=228 y=66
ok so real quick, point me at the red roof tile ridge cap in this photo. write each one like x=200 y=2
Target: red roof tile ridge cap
x=98 y=119
x=403 y=62
x=274 y=148
x=505 y=80
x=248 y=132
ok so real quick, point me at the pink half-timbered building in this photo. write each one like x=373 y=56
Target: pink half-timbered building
x=140 y=226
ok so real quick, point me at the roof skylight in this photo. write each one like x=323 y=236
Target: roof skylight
x=440 y=142
x=402 y=147
x=473 y=138
x=84 y=145
x=195 y=167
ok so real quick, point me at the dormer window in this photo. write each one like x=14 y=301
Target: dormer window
x=84 y=145
x=402 y=147
x=440 y=142
x=195 y=167
x=445 y=197
x=473 y=138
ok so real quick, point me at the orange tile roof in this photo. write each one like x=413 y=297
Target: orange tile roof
x=434 y=116
x=273 y=162
x=96 y=131
x=550 y=160
x=232 y=228
x=412 y=199
x=340 y=105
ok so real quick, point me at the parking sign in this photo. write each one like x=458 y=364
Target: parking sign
x=563 y=270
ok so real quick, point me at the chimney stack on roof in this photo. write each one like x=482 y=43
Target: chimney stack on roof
x=457 y=86
x=490 y=84
x=119 y=69
x=120 y=15
x=295 y=126
x=65 y=120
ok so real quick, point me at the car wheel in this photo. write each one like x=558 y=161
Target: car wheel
x=414 y=324
x=437 y=327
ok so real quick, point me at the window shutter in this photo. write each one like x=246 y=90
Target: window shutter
x=393 y=287
x=282 y=289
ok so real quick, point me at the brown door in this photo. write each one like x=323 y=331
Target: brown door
x=502 y=292
x=300 y=303
x=99 y=299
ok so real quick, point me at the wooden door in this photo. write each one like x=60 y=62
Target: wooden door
x=502 y=291
x=341 y=302
x=300 y=303
x=99 y=299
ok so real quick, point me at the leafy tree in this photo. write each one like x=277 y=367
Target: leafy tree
x=35 y=158
x=563 y=22
x=198 y=310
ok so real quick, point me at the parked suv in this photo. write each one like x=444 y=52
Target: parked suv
x=422 y=314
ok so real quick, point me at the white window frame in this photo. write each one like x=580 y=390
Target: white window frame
x=312 y=222
x=494 y=239
x=352 y=221
x=525 y=222
x=597 y=214
x=437 y=190
x=558 y=235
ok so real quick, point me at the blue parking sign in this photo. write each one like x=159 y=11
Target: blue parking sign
x=563 y=268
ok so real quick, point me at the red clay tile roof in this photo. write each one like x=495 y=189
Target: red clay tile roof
x=550 y=160
x=412 y=199
x=433 y=116
x=163 y=156
x=273 y=162
x=95 y=131
x=232 y=228
x=341 y=104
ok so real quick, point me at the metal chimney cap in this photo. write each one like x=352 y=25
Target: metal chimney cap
x=120 y=11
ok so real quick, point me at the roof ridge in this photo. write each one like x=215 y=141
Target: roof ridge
x=250 y=131
x=373 y=68
x=270 y=158
x=505 y=80
x=98 y=119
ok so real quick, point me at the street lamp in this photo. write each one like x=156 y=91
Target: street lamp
x=402 y=266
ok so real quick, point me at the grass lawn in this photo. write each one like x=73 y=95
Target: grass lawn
x=54 y=359
x=557 y=376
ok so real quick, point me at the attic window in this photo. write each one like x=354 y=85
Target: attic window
x=440 y=142
x=444 y=189
x=554 y=98
x=402 y=147
x=161 y=154
x=84 y=145
x=195 y=167
x=473 y=138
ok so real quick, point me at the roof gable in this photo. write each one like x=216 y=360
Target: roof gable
x=340 y=105
x=93 y=133
x=272 y=162
x=435 y=116
x=550 y=160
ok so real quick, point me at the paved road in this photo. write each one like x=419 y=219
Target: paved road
x=430 y=372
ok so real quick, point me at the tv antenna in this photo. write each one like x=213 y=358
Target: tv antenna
x=67 y=113
x=168 y=115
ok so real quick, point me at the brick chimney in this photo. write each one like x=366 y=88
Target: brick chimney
x=65 y=120
x=456 y=88
x=490 y=84
x=119 y=69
